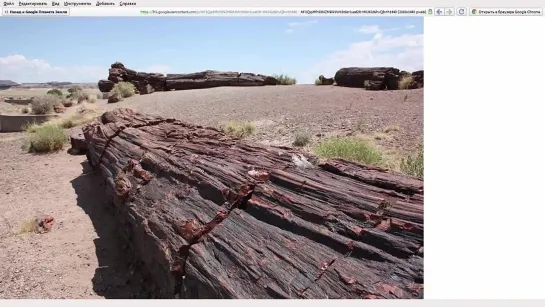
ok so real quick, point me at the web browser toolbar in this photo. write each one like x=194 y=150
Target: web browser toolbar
x=124 y=8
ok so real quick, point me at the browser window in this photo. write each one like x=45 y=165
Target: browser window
x=244 y=150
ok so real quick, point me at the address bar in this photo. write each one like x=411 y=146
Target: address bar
x=286 y=12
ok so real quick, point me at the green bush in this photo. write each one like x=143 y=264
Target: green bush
x=74 y=93
x=44 y=104
x=126 y=89
x=74 y=89
x=350 y=149
x=55 y=92
x=237 y=129
x=413 y=165
x=46 y=138
x=285 y=80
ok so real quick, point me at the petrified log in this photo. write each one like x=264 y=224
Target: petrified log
x=204 y=79
x=105 y=86
x=418 y=78
x=373 y=78
x=208 y=216
x=212 y=78
x=77 y=142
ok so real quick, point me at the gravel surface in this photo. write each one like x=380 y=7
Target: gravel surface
x=280 y=111
x=81 y=257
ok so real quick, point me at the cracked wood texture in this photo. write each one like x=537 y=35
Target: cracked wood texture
x=208 y=216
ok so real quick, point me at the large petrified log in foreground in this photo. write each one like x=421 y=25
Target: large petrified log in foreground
x=213 y=217
x=146 y=83
x=371 y=78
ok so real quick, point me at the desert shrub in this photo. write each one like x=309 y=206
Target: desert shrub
x=68 y=103
x=74 y=89
x=285 y=80
x=46 y=138
x=318 y=81
x=238 y=129
x=413 y=165
x=83 y=115
x=126 y=89
x=82 y=96
x=44 y=104
x=302 y=138
x=92 y=99
x=405 y=81
x=350 y=149
x=55 y=92
x=31 y=127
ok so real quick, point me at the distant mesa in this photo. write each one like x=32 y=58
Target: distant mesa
x=6 y=84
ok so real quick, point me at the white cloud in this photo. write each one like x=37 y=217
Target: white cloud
x=374 y=29
x=405 y=52
x=302 y=24
x=20 y=69
x=370 y=29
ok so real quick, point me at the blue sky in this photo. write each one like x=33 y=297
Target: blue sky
x=81 y=49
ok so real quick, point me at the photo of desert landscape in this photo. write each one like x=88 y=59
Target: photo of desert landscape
x=239 y=157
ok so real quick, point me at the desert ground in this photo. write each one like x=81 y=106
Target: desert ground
x=81 y=257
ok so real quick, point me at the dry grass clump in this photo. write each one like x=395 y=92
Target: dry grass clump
x=351 y=149
x=44 y=104
x=413 y=165
x=238 y=129
x=48 y=137
x=28 y=226
x=405 y=81
x=285 y=79
x=302 y=138
x=126 y=89
x=84 y=115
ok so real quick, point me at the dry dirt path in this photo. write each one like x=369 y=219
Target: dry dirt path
x=79 y=258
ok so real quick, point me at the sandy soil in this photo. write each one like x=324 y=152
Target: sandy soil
x=81 y=257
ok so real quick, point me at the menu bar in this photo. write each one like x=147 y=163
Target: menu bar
x=68 y=3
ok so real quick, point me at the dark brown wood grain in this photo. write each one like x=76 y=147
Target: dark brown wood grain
x=209 y=216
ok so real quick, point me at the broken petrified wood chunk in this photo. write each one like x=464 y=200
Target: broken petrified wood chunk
x=213 y=217
x=77 y=142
